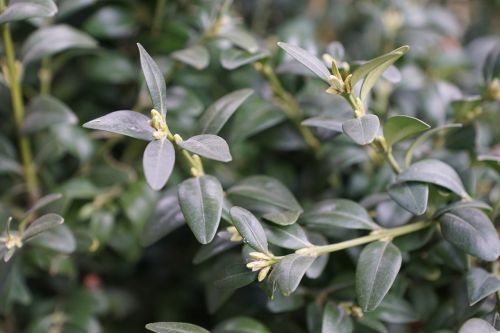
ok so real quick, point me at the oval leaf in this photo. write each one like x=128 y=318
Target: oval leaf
x=398 y=128
x=472 y=231
x=42 y=224
x=249 y=228
x=289 y=237
x=288 y=272
x=336 y=320
x=130 y=123
x=305 y=58
x=158 y=162
x=411 y=196
x=241 y=325
x=58 y=238
x=377 y=268
x=362 y=130
x=217 y=114
x=476 y=325
x=154 y=81
x=480 y=284
x=233 y=58
x=25 y=9
x=285 y=217
x=45 y=111
x=195 y=56
x=201 y=201
x=208 y=145
x=173 y=327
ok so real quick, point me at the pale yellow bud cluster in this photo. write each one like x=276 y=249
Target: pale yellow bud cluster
x=261 y=262
x=339 y=85
x=352 y=310
x=12 y=241
x=234 y=234
x=493 y=90
x=158 y=123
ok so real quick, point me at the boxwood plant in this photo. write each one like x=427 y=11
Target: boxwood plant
x=340 y=195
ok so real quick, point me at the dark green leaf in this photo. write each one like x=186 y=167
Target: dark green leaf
x=476 y=325
x=398 y=128
x=288 y=272
x=281 y=304
x=233 y=58
x=241 y=325
x=462 y=204
x=67 y=7
x=377 y=268
x=51 y=40
x=362 y=130
x=25 y=9
x=411 y=196
x=305 y=58
x=233 y=274
x=493 y=161
x=124 y=122
x=42 y=224
x=472 y=231
x=196 y=56
x=339 y=213
x=42 y=202
x=241 y=38
x=59 y=239
x=45 y=111
x=249 y=228
x=395 y=310
x=336 y=320
x=174 y=327
x=111 y=22
x=434 y=172
x=286 y=217
x=158 y=162
x=217 y=114
x=289 y=237
x=154 y=80
x=480 y=284
x=219 y=244
x=201 y=203
x=208 y=145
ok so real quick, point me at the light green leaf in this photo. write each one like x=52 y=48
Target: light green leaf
x=54 y=39
x=195 y=56
x=305 y=58
x=111 y=22
x=336 y=320
x=166 y=218
x=201 y=203
x=208 y=145
x=399 y=128
x=45 y=111
x=158 y=162
x=410 y=195
x=476 y=325
x=289 y=237
x=434 y=172
x=42 y=224
x=249 y=228
x=480 y=284
x=288 y=272
x=362 y=130
x=241 y=325
x=58 y=238
x=130 y=123
x=42 y=202
x=266 y=190
x=67 y=7
x=25 y=9
x=173 y=327
x=217 y=114
x=154 y=80
x=285 y=217
x=233 y=58
x=339 y=213
x=471 y=231
x=377 y=268
x=241 y=38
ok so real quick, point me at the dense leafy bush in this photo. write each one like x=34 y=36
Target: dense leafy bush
x=338 y=161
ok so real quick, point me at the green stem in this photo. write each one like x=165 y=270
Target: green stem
x=45 y=76
x=289 y=106
x=18 y=109
x=374 y=236
x=194 y=161
x=158 y=17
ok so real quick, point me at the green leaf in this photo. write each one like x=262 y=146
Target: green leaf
x=45 y=111
x=42 y=224
x=219 y=244
x=281 y=304
x=233 y=58
x=241 y=325
x=319 y=264
x=362 y=130
x=54 y=39
x=339 y=213
x=111 y=22
x=377 y=268
x=201 y=201
x=476 y=325
x=286 y=217
x=241 y=38
x=462 y=204
x=25 y=9
x=434 y=172
x=173 y=327
x=130 y=123
x=154 y=80
x=333 y=123
x=493 y=161
x=217 y=114
x=208 y=145
x=58 y=238
x=480 y=284
x=249 y=228
x=399 y=128
x=289 y=237
x=471 y=231
x=305 y=58
x=166 y=218
x=411 y=196
x=67 y=7
x=374 y=68
x=266 y=190
x=336 y=320
x=288 y=272
x=395 y=310
x=42 y=202
x=158 y=162
x=195 y=56
x=233 y=274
